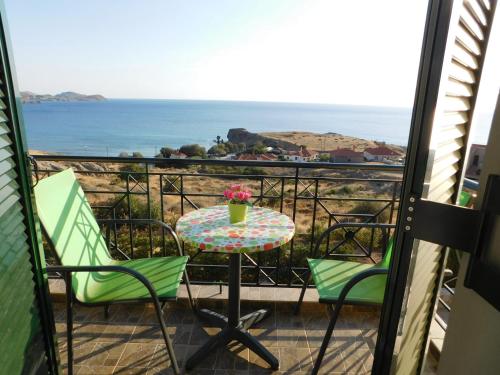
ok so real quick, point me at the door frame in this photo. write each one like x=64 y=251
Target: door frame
x=432 y=60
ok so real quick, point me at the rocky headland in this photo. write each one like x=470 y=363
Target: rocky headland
x=67 y=96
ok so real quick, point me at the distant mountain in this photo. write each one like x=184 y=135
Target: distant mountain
x=67 y=96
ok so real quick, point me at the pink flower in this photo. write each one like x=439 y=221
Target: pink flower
x=229 y=194
x=239 y=193
x=243 y=195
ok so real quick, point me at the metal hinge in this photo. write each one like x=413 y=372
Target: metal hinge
x=474 y=231
x=444 y=224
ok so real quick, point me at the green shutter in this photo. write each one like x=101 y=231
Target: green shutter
x=26 y=343
x=470 y=27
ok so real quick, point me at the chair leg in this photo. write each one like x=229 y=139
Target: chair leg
x=190 y=296
x=106 y=312
x=166 y=337
x=69 y=322
x=326 y=339
x=302 y=292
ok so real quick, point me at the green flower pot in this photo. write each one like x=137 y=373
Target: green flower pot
x=237 y=212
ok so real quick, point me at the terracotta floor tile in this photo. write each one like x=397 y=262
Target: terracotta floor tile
x=258 y=366
x=233 y=357
x=292 y=338
x=87 y=370
x=295 y=359
x=332 y=361
x=117 y=332
x=106 y=354
x=137 y=355
x=130 y=341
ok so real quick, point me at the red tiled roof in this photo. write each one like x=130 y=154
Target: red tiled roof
x=345 y=152
x=382 y=150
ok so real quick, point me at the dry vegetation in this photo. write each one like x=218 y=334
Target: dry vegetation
x=327 y=141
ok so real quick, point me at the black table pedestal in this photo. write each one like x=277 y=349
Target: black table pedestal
x=234 y=327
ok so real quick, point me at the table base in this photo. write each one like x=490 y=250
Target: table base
x=228 y=333
x=234 y=327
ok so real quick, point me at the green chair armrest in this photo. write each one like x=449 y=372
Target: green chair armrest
x=356 y=279
x=334 y=227
x=68 y=270
x=159 y=223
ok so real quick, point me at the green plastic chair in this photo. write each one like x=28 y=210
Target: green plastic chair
x=464 y=199
x=340 y=282
x=92 y=277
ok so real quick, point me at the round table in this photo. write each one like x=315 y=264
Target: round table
x=209 y=229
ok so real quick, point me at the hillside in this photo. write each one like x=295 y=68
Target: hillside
x=326 y=141
x=67 y=96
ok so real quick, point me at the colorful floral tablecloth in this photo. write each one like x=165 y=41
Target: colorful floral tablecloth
x=210 y=230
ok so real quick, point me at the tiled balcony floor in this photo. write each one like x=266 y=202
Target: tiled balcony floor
x=130 y=342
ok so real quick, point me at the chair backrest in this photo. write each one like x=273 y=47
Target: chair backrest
x=69 y=222
x=464 y=198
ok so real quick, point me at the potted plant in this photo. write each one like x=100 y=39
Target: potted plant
x=238 y=199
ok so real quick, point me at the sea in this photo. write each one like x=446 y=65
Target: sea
x=109 y=127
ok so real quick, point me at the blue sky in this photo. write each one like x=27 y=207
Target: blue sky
x=326 y=51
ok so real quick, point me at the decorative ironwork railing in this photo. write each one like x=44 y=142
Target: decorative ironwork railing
x=314 y=195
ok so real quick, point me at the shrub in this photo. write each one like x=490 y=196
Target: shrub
x=345 y=190
x=372 y=208
x=218 y=149
x=166 y=152
x=172 y=187
x=222 y=170
x=137 y=171
x=138 y=208
x=259 y=148
x=324 y=157
x=194 y=150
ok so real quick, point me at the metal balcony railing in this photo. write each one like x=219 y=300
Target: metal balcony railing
x=315 y=195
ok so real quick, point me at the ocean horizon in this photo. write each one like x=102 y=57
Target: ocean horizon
x=106 y=128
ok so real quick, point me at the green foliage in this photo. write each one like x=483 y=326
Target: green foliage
x=345 y=190
x=138 y=208
x=259 y=148
x=372 y=208
x=194 y=150
x=135 y=154
x=324 y=158
x=137 y=171
x=223 y=170
x=166 y=151
x=174 y=186
x=221 y=149
x=233 y=148
x=218 y=149
x=218 y=140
